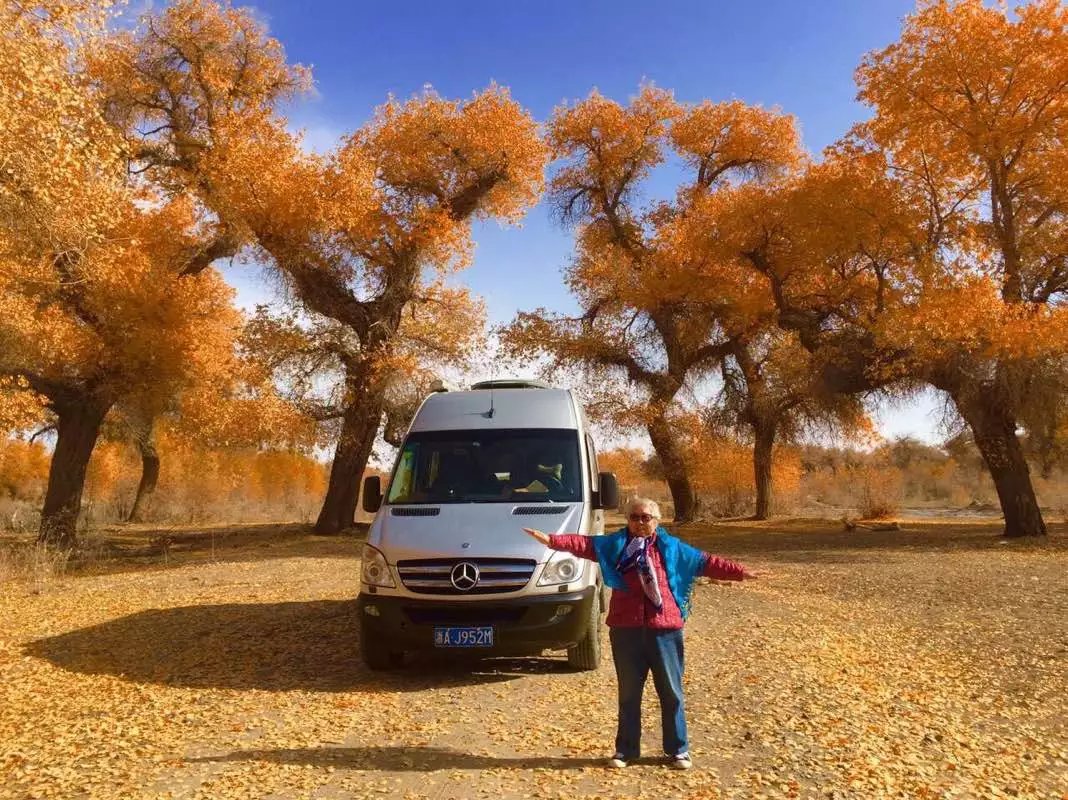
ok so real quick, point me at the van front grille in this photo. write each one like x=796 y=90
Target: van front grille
x=495 y=575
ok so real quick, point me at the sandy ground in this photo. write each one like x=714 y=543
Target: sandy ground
x=926 y=662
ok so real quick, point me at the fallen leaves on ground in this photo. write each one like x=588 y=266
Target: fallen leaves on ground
x=929 y=662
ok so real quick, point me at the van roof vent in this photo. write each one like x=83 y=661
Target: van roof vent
x=511 y=383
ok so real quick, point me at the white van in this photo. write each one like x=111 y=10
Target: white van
x=447 y=567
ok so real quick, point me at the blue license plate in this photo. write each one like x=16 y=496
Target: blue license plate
x=481 y=636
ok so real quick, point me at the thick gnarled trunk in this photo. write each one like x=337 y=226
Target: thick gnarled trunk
x=78 y=427
x=676 y=472
x=763 y=445
x=994 y=430
x=359 y=427
x=150 y=463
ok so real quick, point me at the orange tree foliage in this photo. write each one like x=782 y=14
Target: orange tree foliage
x=645 y=319
x=20 y=407
x=199 y=483
x=636 y=472
x=91 y=308
x=721 y=465
x=769 y=393
x=627 y=464
x=354 y=233
x=307 y=357
x=931 y=244
x=229 y=400
x=307 y=354
x=23 y=469
x=723 y=473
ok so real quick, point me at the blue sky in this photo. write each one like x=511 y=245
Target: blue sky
x=799 y=56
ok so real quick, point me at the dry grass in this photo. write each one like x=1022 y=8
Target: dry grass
x=32 y=563
x=126 y=548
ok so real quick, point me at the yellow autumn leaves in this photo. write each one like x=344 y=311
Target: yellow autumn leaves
x=927 y=246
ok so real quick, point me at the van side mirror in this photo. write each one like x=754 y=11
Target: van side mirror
x=372 y=493
x=608 y=493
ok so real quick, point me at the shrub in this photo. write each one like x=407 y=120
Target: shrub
x=879 y=491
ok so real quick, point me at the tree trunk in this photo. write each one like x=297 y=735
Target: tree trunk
x=764 y=442
x=676 y=471
x=359 y=427
x=994 y=430
x=146 y=444
x=79 y=424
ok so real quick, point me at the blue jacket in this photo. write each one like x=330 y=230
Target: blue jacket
x=683 y=563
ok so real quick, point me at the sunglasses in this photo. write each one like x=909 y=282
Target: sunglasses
x=641 y=517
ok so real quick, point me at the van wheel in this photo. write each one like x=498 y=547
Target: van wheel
x=376 y=655
x=586 y=655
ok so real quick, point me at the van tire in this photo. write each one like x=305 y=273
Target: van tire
x=375 y=653
x=586 y=655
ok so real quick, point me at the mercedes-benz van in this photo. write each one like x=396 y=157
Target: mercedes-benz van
x=447 y=566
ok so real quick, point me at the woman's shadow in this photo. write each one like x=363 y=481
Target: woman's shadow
x=312 y=646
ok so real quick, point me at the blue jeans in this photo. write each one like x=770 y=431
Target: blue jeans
x=636 y=651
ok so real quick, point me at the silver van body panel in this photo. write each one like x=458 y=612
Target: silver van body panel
x=512 y=408
x=470 y=530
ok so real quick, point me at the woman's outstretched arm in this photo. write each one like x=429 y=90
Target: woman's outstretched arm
x=574 y=543
x=723 y=569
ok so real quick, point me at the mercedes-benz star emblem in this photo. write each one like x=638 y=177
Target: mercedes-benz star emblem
x=464 y=576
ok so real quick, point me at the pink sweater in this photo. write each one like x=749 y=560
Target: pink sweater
x=632 y=609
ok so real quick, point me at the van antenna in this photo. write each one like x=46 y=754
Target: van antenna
x=493 y=380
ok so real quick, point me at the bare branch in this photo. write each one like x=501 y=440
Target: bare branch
x=224 y=245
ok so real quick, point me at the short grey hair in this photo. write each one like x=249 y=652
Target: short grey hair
x=652 y=505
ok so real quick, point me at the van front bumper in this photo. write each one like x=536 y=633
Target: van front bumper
x=521 y=626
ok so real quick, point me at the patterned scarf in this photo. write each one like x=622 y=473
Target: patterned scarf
x=634 y=556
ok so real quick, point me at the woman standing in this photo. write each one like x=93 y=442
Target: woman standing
x=652 y=575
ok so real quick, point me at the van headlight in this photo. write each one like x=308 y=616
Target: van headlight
x=375 y=569
x=560 y=568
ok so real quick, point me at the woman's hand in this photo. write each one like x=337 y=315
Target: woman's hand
x=536 y=534
x=752 y=575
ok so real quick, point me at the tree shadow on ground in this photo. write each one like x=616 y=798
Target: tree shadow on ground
x=131 y=547
x=400 y=759
x=312 y=646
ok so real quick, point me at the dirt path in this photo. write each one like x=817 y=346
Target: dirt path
x=929 y=662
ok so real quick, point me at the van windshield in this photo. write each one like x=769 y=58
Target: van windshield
x=488 y=466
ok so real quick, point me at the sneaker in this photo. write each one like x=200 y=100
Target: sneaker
x=618 y=761
x=681 y=761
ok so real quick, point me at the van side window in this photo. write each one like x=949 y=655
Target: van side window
x=404 y=478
